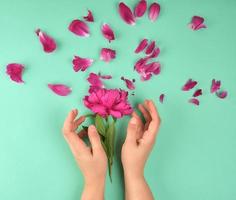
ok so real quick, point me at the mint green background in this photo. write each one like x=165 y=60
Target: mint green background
x=194 y=157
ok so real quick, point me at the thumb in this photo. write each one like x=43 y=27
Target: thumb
x=132 y=129
x=94 y=139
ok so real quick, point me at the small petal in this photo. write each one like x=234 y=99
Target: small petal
x=189 y=85
x=197 y=93
x=107 y=54
x=129 y=84
x=104 y=76
x=222 y=94
x=140 y=8
x=60 y=89
x=155 y=53
x=194 y=101
x=126 y=14
x=154 y=11
x=142 y=45
x=161 y=98
x=150 y=47
x=215 y=85
x=197 y=23
x=48 y=43
x=108 y=32
x=89 y=17
x=15 y=70
x=81 y=63
x=79 y=28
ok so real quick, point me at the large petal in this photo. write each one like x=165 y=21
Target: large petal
x=142 y=45
x=197 y=23
x=129 y=83
x=81 y=63
x=189 y=85
x=48 y=43
x=60 y=89
x=15 y=70
x=89 y=17
x=154 y=11
x=108 y=32
x=140 y=8
x=215 y=85
x=79 y=28
x=107 y=54
x=126 y=14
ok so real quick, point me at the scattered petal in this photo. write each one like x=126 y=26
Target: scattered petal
x=81 y=63
x=126 y=14
x=107 y=54
x=222 y=94
x=108 y=32
x=89 y=17
x=197 y=23
x=105 y=76
x=140 y=8
x=215 y=85
x=138 y=66
x=147 y=70
x=154 y=11
x=142 y=45
x=15 y=70
x=129 y=83
x=48 y=43
x=79 y=28
x=161 y=98
x=60 y=89
x=189 y=85
x=197 y=93
x=155 y=53
x=150 y=47
x=194 y=101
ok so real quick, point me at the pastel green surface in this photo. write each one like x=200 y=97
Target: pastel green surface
x=194 y=157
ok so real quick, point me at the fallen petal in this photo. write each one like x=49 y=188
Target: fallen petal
x=15 y=70
x=60 y=89
x=142 y=45
x=129 y=84
x=108 y=32
x=126 y=14
x=194 y=101
x=140 y=8
x=104 y=76
x=79 y=28
x=107 y=54
x=189 y=85
x=222 y=94
x=154 y=11
x=150 y=47
x=161 y=98
x=155 y=53
x=81 y=63
x=215 y=85
x=197 y=93
x=197 y=23
x=48 y=43
x=89 y=17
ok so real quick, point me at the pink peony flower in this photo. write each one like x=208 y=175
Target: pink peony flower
x=107 y=102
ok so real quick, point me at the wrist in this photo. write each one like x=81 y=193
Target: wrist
x=93 y=190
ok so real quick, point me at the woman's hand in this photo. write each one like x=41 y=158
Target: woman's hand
x=92 y=161
x=136 y=149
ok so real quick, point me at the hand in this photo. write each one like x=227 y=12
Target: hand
x=92 y=160
x=136 y=149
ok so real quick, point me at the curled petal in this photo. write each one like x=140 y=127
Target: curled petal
x=222 y=94
x=194 y=101
x=154 y=11
x=142 y=45
x=197 y=23
x=161 y=98
x=15 y=70
x=48 y=43
x=140 y=8
x=197 y=93
x=129 y=83
x=107 y=54
x=81 y=63
x=150 y=47
x=139 y=65
x=126 y=14
x=89 y=17
x=79 y=28
x=189 y=85
x=108 y=32
x=60 y=89
x=215 y=85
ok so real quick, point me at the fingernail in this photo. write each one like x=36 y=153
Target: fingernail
x=133 y=120
x=92 y=127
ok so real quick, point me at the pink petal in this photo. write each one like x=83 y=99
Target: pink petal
x=197 y=23
x=138 y=66
x=107 y=54
x=161 y=98
x=104 y=76
x=189 y=85
x=222 y=94
x=154 y=11
x=15 y=70
x=194 y=101
x=155 y=53
x=79 y=28
x=140 y=8
x=130 y=84
x=89 y=17
x=154 y=67
x=197 y=93
x=126 y=14
x=142 y=45
x=108 y=32
x=215 y=85
x=81 y=63
x=150 y=47
x=60 y=89
x=48 y=43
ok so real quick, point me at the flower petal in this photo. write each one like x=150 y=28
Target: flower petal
x=79 y=28
x=108 y=32
x=81 y=63
x=60 y=89
x=150 y=47
x=107 y=54
x=155 y=53
x=48 y=43
x=189 y=85
x=104 y=76
x=197 y=93
x=161 y=98
x=197 y=23
x=89 y=17
x=154 y=11
x=126 y=14
x=222 y=94
x=140 y=8
x=129 y=83
x=194 y=101
x=215 y=85
x=15 y=70
x=142 y=45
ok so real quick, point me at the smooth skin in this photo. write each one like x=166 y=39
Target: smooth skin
x=138 y=144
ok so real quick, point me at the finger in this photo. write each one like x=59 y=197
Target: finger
x=132 y=129
x=69 y=120
x=94 y=139
x=78 y=122
x=146 y=115
x=139 y=132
